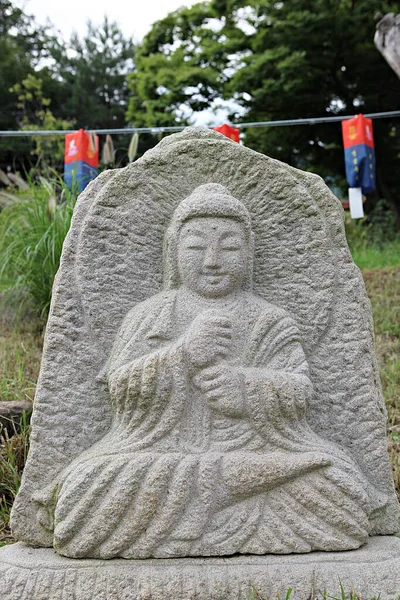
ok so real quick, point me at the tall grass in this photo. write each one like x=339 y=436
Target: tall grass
x=33 y=227
x=383 y=288
x=13 y=454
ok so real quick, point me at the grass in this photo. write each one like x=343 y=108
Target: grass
x=383 y=288
x=33 y=226
x=20 y=355
x=374 y=240
x=376 y=256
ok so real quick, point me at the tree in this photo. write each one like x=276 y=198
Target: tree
x=83 y=82
x=174 y=75
x=36 y=115
x=277 y=60
x=92 y=73
x=23 y=45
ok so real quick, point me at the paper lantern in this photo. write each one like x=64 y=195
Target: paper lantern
x=359 y=153
x=81 y=158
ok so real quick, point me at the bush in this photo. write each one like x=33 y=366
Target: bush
x=33 y=227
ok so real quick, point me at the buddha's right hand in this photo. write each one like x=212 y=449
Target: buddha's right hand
x=208 y=339
x=250 y=473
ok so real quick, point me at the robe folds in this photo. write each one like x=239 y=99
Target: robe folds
x=175 y=478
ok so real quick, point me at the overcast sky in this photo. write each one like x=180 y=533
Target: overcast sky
x=134 y=16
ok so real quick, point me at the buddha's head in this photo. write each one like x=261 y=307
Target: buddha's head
x=209 y=247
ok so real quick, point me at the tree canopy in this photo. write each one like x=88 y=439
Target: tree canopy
x=263 y=59
x=92 y=75
x=277 y=60
x=23 y=45
x=49 y=83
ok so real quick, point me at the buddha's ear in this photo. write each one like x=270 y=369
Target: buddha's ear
x=170 y=259
x=250 y=262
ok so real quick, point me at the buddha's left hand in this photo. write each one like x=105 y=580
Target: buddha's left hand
x=223 y=387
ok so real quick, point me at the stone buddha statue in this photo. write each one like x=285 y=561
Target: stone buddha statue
x=209 y=452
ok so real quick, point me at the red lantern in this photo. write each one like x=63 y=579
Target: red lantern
x=230 y=132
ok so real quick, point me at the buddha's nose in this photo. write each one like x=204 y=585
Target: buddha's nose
x=211 y=258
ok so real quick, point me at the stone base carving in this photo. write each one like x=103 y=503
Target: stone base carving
x=40 y=574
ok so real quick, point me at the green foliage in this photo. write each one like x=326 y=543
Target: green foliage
x=32 y=233
x=177 y=64
x=276 y=60
x=36 y=115
x=343 y=596
x=20 y=354
x=376 y=256
x=82 y=84
x=383 y=288
x=23 y=45
x=92 y=76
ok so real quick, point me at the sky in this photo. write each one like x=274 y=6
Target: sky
x=134 y=16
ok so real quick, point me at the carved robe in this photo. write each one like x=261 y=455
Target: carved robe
x=174 y=478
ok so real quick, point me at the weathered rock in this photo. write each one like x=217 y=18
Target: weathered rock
x=209 y=383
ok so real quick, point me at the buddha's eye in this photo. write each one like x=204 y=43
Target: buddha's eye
x=231 y=247
x=194 y=242
x=230 y=244
x=195 y=246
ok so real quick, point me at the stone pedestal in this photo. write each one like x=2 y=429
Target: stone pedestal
x=39 y=574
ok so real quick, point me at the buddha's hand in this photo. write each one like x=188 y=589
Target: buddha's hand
x=208 y=339
x=223 y=387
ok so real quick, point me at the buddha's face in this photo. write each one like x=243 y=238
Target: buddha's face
x=212 y=256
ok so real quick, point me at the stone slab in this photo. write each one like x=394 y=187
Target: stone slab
x=40 y=574
x=300 y=291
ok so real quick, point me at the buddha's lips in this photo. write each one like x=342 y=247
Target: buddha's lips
x=214 y=278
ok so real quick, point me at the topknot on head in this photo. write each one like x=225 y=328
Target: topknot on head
x=211 y=200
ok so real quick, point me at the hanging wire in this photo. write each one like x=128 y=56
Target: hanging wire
x=176 y=128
